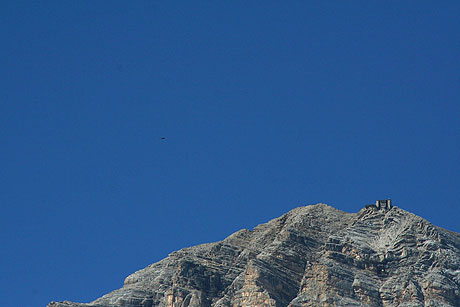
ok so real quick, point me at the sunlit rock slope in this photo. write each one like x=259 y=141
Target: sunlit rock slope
x=311 y=256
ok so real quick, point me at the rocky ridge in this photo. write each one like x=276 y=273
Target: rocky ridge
x=311 y=256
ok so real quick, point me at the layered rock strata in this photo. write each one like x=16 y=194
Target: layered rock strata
x=311 y=256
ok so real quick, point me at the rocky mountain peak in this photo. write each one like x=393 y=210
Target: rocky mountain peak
x=311 y=256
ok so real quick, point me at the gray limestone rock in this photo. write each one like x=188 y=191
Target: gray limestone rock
x=311 y=256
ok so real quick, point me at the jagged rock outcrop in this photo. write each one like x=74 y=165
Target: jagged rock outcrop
x=311 y=256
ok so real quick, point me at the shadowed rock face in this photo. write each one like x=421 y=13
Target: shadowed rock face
x=311 y=256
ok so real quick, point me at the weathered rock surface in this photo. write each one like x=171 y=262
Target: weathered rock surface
x=311 y=256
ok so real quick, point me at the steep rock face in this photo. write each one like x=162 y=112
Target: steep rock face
x=311 y=256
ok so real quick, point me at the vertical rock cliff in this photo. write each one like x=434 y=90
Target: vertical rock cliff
x=311 y=256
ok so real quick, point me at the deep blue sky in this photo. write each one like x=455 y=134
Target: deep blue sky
x=266 y=106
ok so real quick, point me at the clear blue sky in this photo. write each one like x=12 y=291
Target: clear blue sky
x=266 y=106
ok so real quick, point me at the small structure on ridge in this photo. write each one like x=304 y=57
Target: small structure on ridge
x=384 y=204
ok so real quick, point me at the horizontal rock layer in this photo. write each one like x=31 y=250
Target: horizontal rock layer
x=311 y=256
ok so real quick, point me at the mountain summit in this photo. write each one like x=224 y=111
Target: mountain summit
x=311 y=256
